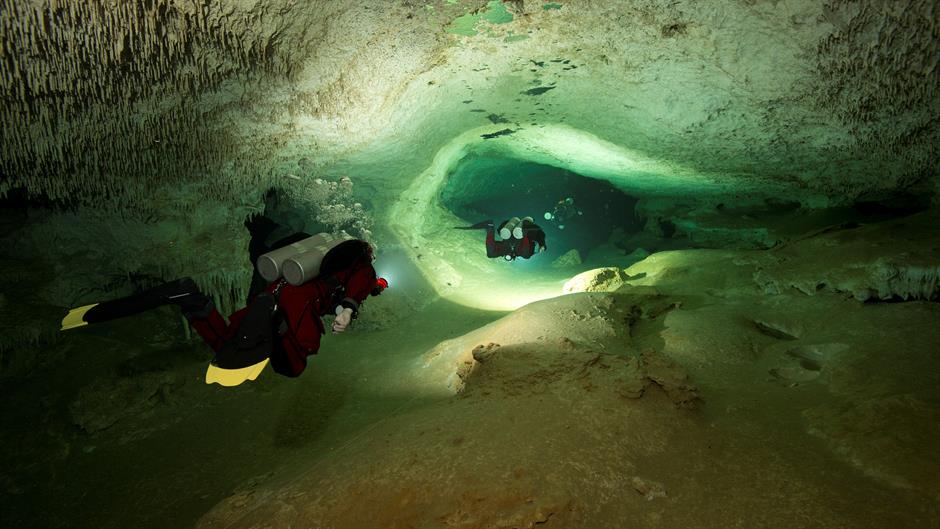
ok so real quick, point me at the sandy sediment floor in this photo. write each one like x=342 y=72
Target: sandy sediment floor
x=695 y=417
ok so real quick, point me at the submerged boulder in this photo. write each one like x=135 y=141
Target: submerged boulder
x=597 y=280
x=570 y=258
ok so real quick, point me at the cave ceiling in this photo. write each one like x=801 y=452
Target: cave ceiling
x=125 y=104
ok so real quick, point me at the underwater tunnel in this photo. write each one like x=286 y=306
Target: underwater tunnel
x=732 y=323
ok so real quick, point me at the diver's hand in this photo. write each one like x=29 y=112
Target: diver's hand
x=342 y=320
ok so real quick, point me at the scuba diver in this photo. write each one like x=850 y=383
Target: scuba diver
x=304 y=278
x=564 y=210
x=518 y=238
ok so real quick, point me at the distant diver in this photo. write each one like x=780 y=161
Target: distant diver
x=298 y=279
x=564 y=209
x=518 y=238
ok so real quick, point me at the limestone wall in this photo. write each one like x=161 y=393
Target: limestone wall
x=155 y=107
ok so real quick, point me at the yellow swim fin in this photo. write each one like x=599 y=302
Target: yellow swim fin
x=75 y=317
x=234 y=377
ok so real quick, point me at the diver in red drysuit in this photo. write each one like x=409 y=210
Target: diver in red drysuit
x=281 y=320
x=346 y=279
x=531 y=242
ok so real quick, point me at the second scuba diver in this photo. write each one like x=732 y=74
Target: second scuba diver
x=564 y=209
x=518 y=238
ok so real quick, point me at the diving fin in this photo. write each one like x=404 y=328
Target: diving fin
x=182 y=292
x=233 y=377
x=478 y=226
x=244 y=356
x=75 y=317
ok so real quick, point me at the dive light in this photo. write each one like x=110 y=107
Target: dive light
x=380 y=285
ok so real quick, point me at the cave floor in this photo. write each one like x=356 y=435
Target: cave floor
x=170 y=446
x=665 y=406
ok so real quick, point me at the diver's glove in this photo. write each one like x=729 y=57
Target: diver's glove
x=343 y=317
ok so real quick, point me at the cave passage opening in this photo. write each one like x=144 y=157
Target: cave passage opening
x=484 y=186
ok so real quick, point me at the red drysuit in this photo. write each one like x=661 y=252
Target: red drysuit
x=524 y=248
x=302 y=306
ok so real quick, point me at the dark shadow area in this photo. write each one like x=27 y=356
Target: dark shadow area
x=19 y=200
x=901 y=204
x=311 y=406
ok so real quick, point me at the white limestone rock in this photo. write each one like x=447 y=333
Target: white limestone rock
x=597 y=280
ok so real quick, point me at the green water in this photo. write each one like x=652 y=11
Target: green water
x=494 y=187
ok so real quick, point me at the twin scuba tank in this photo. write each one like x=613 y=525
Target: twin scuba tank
x=514 y=228
x=299 y=262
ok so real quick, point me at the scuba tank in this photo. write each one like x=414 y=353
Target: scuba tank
x=518 y=231
x=299 y=262
x=270 y=265
x=508 y=229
